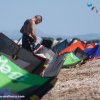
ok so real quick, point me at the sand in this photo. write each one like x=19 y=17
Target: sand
x=81 y=83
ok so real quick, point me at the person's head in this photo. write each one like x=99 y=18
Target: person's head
x=38 y=19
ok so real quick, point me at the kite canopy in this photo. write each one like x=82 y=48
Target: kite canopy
x=70 y=59
x=60 y=46
x=21 y=81
x=94 y=52
x=19 y=55
x=92 y=7
x=89 y=4
x=72 y=47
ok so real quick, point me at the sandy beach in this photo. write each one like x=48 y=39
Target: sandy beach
x=81 y=83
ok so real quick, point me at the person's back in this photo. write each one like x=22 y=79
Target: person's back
x=26 y=28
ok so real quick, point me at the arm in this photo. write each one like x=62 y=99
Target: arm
x=33 y=32
x=33 y=35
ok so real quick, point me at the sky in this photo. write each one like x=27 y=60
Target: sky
x=60 y=17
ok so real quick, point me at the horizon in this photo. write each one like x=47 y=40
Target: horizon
x=15 y=35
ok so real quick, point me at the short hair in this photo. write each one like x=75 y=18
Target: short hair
x=39 y=16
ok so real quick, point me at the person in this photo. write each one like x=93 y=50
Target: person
x=28 y=32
